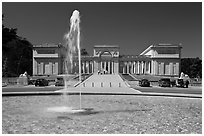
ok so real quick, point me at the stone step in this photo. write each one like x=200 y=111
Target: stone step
x=104 y=81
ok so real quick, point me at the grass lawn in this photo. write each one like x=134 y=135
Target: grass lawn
x=112 y=114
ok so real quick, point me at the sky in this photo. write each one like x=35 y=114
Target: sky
x=133 y=26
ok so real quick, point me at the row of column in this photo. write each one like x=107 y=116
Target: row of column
x=137 y=67
x=87 y=67
x=108 y=66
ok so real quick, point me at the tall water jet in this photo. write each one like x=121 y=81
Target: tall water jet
x=72 y=46
x=72 y=39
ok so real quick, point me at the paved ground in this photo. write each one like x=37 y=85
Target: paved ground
x=111 y=90
x=155 y=89
x=30 y=88
x=192 y=92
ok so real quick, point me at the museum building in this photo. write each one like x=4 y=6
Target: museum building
x=157 y=59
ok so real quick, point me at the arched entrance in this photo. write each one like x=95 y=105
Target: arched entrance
x=106 y=63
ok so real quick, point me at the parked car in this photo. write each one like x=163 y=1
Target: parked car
x=144 y=83
x=179 y=83
x=31 y=82
x=164 y=82
x=59 y=81
x=4 y=84
x=186 y=83
x=41 y=82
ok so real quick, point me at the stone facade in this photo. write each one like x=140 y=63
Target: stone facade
x=160 y=59
x=47 y=59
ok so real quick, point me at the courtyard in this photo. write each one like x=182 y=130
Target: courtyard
x=66 y=89
x=111 y=114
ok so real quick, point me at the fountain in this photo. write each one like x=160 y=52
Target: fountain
x=72 y=45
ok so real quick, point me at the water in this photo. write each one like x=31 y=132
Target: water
x=72 y=46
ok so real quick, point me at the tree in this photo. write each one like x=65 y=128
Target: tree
x=84 y=52
x=16 y=53
x=192 y=67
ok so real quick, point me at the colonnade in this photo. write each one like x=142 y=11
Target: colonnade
x=87 y=67
x=131 y=67
x=107 y=66
x=136 y=67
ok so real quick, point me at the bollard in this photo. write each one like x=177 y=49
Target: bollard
x=101 y=84
x=110 y=84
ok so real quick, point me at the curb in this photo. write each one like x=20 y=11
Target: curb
x=100 y=93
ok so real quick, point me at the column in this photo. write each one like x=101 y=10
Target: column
x=95 y=64
x=88 y=67
x=138 y=67
x=145 y=67
x=152 y=68
x=109 y=67
x=149 y=65
x=116 y=66
x=112 y=66
x=105 y=65
x=92 y=67
x=83 y=69
x=132 y=68
x=123 y=68
x=141 y=67
x=128 y=68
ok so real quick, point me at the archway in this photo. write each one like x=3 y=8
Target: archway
x=106 y=63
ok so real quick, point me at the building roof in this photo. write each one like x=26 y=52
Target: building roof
x=134 y=57
x=161 y=45
x=48 y=45
x=167 y=45
x=109 y=46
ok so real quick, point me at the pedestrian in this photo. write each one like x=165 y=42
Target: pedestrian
x=187 y=82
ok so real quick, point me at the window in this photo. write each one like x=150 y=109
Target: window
x=46 y=51
x=166 y=51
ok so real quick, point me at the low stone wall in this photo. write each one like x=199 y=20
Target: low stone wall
x=133 y=83
x=154 y=83
x=10 y=80
x=22 y=81
x=195 y=84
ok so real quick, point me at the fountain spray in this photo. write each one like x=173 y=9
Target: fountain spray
x=72 y=42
